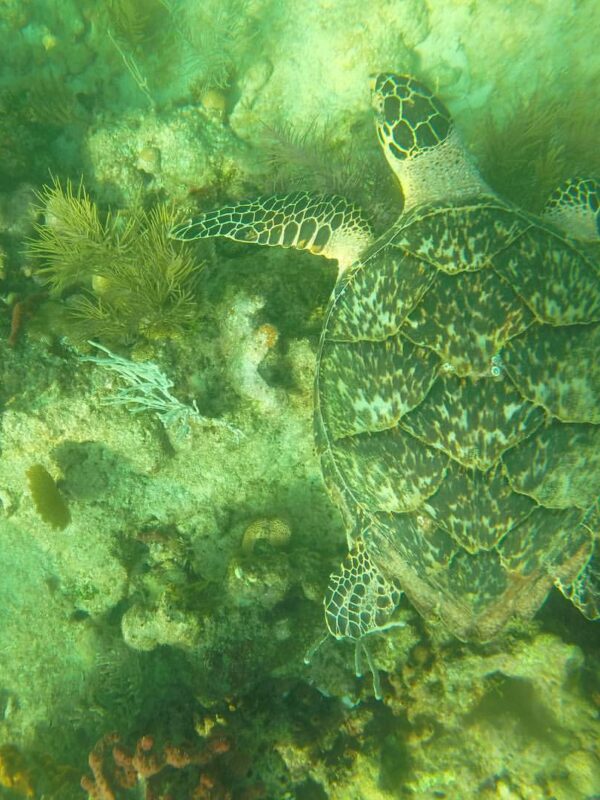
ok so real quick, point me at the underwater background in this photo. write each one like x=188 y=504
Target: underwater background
x=165 y=535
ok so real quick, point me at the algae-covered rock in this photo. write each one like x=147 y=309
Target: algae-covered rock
x=147 y=628
x=261 y=581
x=514 y=713
x=167 y=154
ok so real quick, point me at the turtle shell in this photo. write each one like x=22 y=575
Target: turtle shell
x=458 y=411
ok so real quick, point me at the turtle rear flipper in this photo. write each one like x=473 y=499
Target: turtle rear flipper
x=584 y=590
x=360 y=601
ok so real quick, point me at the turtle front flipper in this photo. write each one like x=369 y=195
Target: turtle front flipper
x=326 y=225
x=360 y=601
x=574 y=206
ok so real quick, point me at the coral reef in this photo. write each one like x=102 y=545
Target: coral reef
x=510 y=709
x=187 y=587
x=245 y=346
x=145 y=628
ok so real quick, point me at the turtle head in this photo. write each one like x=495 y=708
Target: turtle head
x=409 y=118
x=418 y=137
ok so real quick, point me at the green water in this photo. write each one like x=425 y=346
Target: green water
x=166 y=535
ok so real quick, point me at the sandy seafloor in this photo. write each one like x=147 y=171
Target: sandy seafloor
x=181 y=597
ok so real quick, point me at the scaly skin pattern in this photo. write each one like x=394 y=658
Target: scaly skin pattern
x=458 y=413
x=327 y=225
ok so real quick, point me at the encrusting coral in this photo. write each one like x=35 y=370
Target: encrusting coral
x=14 y=774
x=114 y=767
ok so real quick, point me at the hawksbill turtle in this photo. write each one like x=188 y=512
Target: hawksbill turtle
x=457 y=395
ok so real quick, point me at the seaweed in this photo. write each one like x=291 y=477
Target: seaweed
x=143 y=33
x=539 y=143
x=48 y=501
x=314 y=158
x=201 y=43
x=214 y=36
x=297 y=157
x=120 y=275
x=70 y=238
x=137 y=21
x=48 y=100
x=139 y=78
x=148 y=291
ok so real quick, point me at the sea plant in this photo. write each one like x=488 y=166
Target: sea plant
x=297 y=156
x=49 y=100
x=70 y=238
x=315 y=158
x=136 y=22
x=537 y=143
x=213 y=37
x=120 y=275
